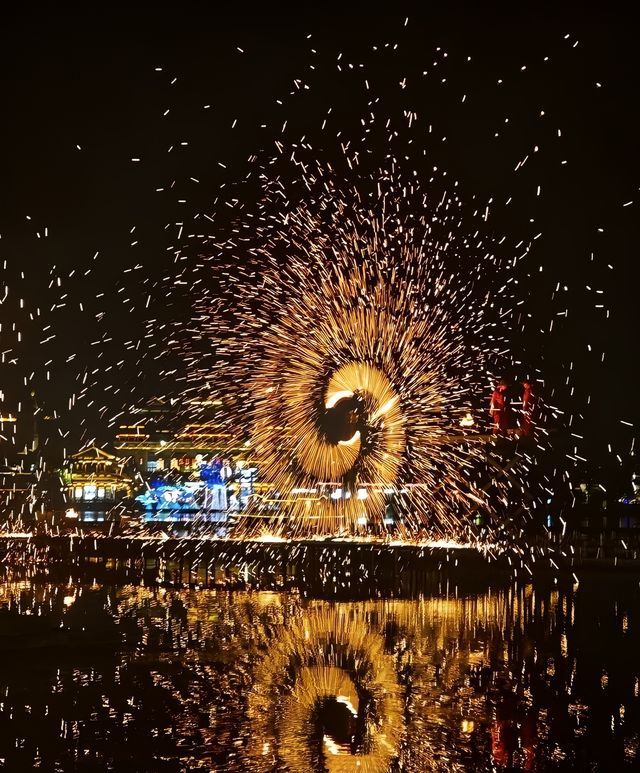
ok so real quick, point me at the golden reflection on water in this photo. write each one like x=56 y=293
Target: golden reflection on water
x=266 y=682
x=321 y=654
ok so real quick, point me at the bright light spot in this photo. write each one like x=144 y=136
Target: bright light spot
x=351 y=440
x=386 y=407
x=270 y=538
x=346 y=701
x=467 y=420
x=335 y=398
x=332 y=746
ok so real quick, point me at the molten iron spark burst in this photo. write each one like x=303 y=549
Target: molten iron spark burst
x=363 y=332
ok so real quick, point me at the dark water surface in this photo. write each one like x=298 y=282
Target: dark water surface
x=530 y=677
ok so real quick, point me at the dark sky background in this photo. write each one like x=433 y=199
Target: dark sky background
x=81 y=97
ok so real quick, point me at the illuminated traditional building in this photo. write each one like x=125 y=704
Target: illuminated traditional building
x=156 y=439
x=95 y=477
x=189 y=440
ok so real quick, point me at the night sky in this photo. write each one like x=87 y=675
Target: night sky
x=83 y=95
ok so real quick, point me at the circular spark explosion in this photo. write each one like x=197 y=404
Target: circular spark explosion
x=326 y=657
x=362 y=345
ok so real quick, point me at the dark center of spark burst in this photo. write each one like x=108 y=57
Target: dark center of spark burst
x=333 y=719
x=341 y=422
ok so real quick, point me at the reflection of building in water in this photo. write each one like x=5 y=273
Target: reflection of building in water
x=93 y=476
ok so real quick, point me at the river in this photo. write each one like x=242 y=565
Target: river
x=541 y=676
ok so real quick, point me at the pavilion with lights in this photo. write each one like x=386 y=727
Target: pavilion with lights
x=94 y=477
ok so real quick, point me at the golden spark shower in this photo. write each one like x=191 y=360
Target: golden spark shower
x=354 y=346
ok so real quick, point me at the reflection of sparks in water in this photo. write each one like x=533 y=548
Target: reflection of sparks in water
x=475 y=680
x=331 y=655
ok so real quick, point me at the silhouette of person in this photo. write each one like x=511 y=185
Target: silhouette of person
x=499 y=408
x=530 y=402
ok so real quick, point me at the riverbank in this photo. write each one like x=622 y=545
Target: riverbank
x=320 y=567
